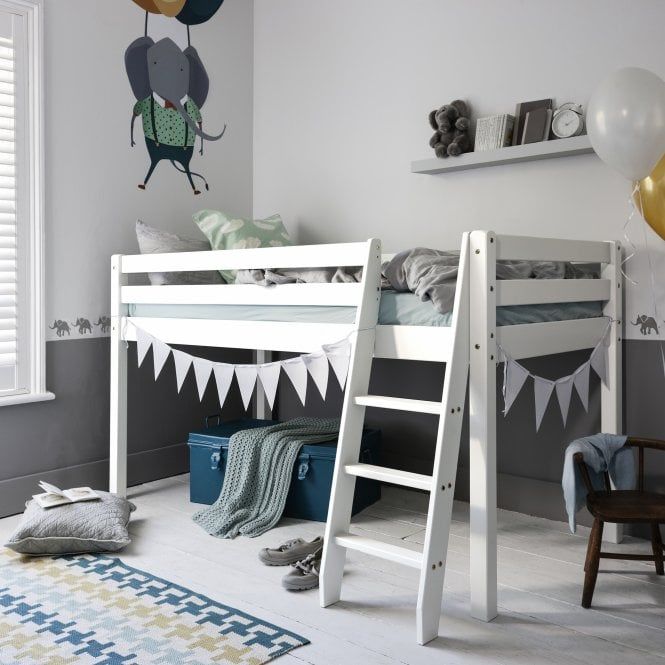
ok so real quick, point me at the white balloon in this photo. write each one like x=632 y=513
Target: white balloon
x=626 y=121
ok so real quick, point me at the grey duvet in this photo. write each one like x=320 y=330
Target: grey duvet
x=429 y=273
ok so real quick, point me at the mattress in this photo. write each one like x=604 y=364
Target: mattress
x=399 y=309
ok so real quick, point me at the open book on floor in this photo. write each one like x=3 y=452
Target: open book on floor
x=54 y=496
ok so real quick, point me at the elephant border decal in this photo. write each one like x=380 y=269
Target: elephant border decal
x=646 y=323
x=172 y=126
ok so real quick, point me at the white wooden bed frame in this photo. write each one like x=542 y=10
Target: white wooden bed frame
x=471 y=341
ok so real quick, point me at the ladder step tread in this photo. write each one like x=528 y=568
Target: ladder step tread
x=386 y=475
x=378 y=548
x=399 y=404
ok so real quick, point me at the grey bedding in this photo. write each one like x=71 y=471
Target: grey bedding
x=429 y=273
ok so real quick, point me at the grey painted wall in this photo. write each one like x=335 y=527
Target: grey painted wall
x=66 y=440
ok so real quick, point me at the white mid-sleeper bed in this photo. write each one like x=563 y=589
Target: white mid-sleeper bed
x=526 y=318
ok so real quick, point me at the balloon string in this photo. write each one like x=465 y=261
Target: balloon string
x=146 y=24
x=626 y=234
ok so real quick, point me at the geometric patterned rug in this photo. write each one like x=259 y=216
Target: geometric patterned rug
x=94 y=609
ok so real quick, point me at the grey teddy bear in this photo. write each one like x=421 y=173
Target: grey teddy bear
x=451 y=124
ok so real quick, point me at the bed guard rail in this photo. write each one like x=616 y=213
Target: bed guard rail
x=303 y=256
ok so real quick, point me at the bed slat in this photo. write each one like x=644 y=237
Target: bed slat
x=269 y=335
x=429 y=343
x=330 y=295
x=552 y=249
x=541 y=291
x=301 y=256
x=544 y=339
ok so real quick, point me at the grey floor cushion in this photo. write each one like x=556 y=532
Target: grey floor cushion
x=88 y=526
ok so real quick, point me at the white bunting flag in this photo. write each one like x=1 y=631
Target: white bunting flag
x=160 y=353
x=269 y=375
x=183 y=361
x=564 y=391
x=581 y=381
x=515 y=377
x=317 y=365
x=599 y=362
x=202 y=372
x=542 y=391
x=297 y=372
x=223 y=378
x=339 y=356
x=246 y=376
x=143 y=343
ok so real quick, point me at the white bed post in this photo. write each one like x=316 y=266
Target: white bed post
x=482 y=426
x=118 y=428
x=611 y=396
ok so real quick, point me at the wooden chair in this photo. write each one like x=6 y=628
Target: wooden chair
x=623 y=507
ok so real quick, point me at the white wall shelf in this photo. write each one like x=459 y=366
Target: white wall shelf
x=578 y=145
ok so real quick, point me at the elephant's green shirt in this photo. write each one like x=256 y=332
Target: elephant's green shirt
x=170 y=126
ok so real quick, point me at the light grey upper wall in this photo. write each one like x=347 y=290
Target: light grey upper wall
x=342 y=93
x=92 y=173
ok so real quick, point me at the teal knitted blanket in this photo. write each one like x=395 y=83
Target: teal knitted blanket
x=258 y=474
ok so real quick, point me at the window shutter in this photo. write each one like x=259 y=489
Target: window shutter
x=8 y=222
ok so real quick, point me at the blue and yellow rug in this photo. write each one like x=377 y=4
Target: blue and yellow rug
x=95 y=609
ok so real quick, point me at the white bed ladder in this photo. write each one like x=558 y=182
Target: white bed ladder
x=440 y=485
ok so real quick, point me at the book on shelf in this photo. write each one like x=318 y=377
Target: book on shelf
x=537 y=126
x=493 y=132
x=521 y=112
x=54 y=496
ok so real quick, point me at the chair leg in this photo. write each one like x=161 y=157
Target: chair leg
x=657 y=546
x=589 y=551
x=593 y=561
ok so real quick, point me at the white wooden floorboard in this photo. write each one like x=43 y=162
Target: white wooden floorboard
x=540 y=580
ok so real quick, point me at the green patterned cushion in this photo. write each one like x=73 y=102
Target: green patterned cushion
x=226 y=232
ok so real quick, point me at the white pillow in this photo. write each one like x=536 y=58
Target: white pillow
x=156 y=241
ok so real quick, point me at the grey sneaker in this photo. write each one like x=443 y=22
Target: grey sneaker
x=290 y=552
x=305 y=573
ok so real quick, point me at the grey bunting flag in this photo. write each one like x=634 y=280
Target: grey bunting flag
x=514 y=378
x=599 y=362
x=564 y=392
x=581 y=382
x=542 y=391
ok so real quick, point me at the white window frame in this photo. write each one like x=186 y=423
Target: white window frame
x=31 y=347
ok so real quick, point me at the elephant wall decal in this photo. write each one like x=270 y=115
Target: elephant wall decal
x=61 y=328
x=105 y=323
x=83 y=325
x=646 y=323
x=170 y=129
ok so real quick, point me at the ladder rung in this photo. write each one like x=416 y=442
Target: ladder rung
x=403 y=478
x=380 y=549
x=399 y=404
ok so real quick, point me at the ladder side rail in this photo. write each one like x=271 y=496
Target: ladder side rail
x=446 y=458
x=482 y=426
x=351 y=427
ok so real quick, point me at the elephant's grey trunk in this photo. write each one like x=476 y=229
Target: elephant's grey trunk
x=193 y=126
x=637 y=322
